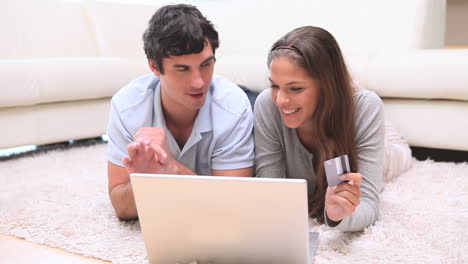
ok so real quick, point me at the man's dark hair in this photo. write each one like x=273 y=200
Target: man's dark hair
x=176 y=30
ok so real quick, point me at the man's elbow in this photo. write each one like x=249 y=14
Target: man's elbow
x=124 y=210
x=124 y=215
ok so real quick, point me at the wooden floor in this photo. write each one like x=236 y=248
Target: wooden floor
x=19 y=251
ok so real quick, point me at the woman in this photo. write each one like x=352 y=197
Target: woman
x=313 y=113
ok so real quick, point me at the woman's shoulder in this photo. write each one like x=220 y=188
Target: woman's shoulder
x=369 y=113
x=264 y=103
x=265 y=111
x=264 y=98
x=366 y=100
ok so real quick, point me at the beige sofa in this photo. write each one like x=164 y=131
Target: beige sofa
x=394 y=48
x=61 y=61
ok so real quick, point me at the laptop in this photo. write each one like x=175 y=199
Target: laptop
x=228 y=220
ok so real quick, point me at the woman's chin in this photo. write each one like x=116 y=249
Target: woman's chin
x=290 y=124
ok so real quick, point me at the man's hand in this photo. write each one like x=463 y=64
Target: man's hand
x=157 y=138
x=342 y=200
x=141 y=158
x=149 y=153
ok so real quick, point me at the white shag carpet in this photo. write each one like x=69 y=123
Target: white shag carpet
x=59 y=198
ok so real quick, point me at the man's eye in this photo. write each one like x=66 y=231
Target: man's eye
x=206 y=65
x=182 y=69
x=274 y=86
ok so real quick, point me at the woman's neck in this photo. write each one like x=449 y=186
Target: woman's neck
x=309 y=137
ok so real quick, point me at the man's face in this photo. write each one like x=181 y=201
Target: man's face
x=186 y=79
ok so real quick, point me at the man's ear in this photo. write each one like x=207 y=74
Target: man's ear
x=153 y=67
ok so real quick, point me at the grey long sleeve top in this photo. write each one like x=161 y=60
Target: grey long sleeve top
x=280 y=154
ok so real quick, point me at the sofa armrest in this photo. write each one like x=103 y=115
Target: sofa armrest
x=26 y=82
x=421 y=74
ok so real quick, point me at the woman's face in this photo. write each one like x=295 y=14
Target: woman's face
x=294 y=92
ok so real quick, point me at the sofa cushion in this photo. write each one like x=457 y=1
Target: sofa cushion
x=45 y=28
x=48 y=123
x=430 y=123
x=64 y=79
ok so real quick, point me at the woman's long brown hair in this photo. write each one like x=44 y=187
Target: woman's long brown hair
x=316 y=50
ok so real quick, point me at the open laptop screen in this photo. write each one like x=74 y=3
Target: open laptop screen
x=214 y=219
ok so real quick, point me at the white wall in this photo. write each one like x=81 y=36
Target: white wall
x=457 y=23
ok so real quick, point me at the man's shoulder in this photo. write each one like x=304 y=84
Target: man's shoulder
x=230 y=107
x=135 y=93
x=228 y=98
x=133 y=104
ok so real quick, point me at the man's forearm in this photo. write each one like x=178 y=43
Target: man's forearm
x=180 y=169
x=123 y=202
x=122 y=197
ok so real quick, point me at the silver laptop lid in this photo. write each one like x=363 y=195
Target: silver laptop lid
x=214 y=219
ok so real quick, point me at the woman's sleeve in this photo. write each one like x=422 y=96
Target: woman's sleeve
x=269 y=155
x=370 y=134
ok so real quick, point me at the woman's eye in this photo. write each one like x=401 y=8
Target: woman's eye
x=273 y=86
x=296 y=89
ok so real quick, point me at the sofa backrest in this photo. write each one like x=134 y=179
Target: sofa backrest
x=44 y=28
x=119 y=27
x=360 y=26
x=72 y=28
x=58 y=28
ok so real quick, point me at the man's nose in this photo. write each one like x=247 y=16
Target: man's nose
x=197 y=80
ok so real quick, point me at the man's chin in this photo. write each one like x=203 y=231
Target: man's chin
x=195 y=105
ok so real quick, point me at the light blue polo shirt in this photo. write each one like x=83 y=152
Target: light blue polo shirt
x=221 y=138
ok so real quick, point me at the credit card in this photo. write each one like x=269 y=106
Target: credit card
x=334 y=168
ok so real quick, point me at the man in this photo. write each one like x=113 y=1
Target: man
x=180 y=119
